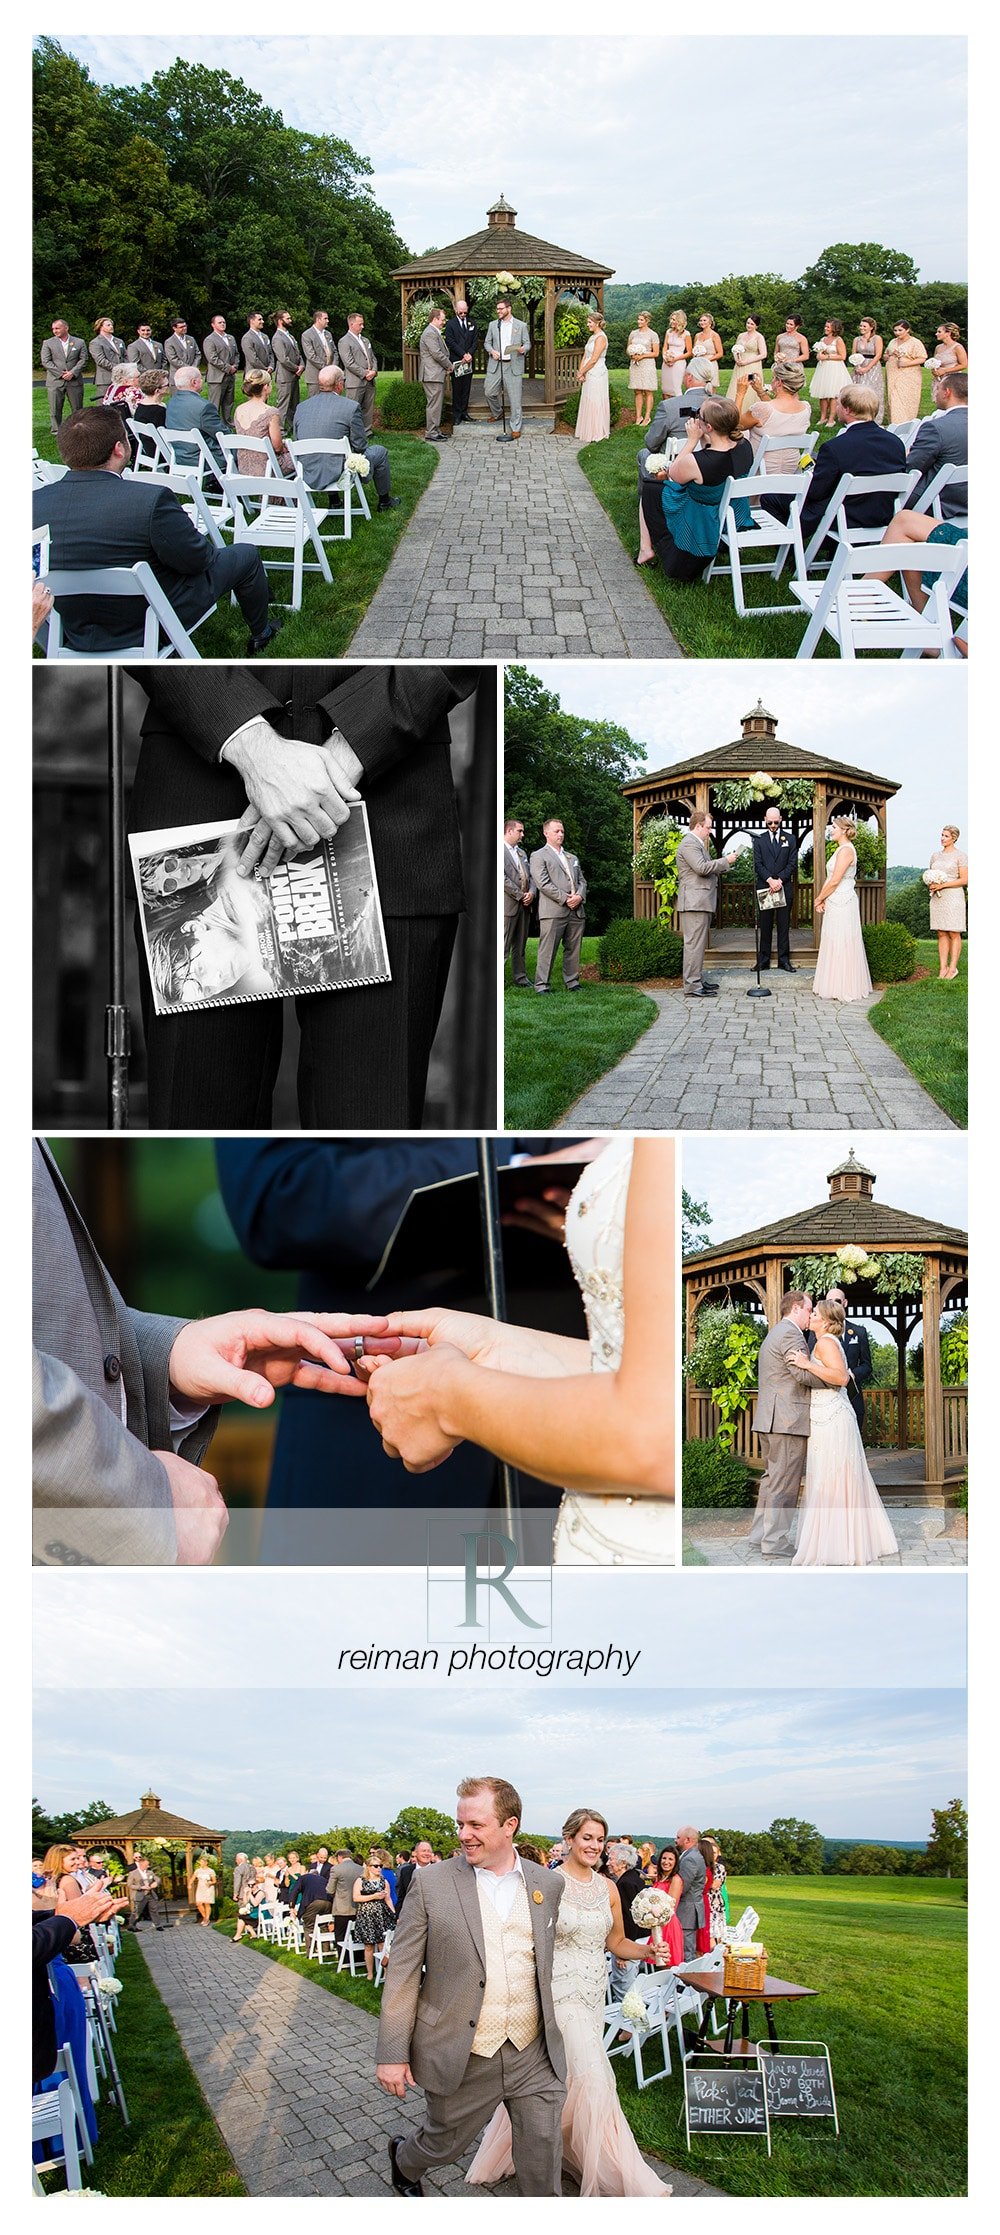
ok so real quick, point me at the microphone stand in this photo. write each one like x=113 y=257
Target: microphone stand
x=116 y=1018
x=503 y=436
x=489 y=1207
x=757 y=992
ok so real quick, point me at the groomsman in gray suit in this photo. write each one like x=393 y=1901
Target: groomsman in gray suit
x=697 y=893
x=781 y=1419
x=507 y=344
x=360 y=365
x=289 y=364
x=434 y=366
x=64 y=359
x=144 y=352
x=317 y=349
x=518 y=895
x=258 y=355
x=180 y=349
x=107 y=352
x=467 y=2010
x=562 y=889
x=221 y=360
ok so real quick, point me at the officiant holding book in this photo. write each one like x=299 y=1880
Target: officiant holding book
x=774 y=868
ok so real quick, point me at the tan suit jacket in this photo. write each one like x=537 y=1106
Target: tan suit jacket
x=782 y=1407
x=356 y=361
x=697 y=877
x=434 y=357
x=552 y=884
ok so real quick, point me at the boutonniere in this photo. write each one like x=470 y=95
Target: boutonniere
x=538 y=1895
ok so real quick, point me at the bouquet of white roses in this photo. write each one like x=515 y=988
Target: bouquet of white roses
x=633 y=2007
x=651 y=1910
x=857 y=357
x=358 y=464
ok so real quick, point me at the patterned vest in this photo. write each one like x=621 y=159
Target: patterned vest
x=511 y=2010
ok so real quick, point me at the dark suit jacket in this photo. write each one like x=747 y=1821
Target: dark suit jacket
x=857 y=1351
x=942 y=440
x=774 y=858
x=459 y=339
x=860 y=448
x=99 y=520
x=50 y=1936
x=313 y=1886
x=629 y=1885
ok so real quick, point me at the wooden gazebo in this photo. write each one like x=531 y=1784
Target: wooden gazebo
x=502 y=247
x=754 y=1270
x=151 y=1825
x=690 y=785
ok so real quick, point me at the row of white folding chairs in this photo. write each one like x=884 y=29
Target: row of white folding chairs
x=163 y=450
x=667 y=2001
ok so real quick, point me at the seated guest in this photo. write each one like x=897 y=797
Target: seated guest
x=683 y=511
x=188 y=407
x=672 y=416
x=124 y=391
x=861 y=447
x=254 y=416
x=151 y=410
x=943 y=440
x=95 y=519
x=330 y=416
x=783 y=412
x=912 y=528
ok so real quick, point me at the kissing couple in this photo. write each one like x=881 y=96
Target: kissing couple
x=805 y=1420
x=493 y=2004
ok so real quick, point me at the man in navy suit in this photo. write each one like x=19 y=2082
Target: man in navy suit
x=461 y=335
x=858 y=1353
x=327 y=1209
x=862 y=448
x=774 y=866
x=95 y=519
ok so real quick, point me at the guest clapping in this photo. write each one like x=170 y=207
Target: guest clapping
x=946 y=880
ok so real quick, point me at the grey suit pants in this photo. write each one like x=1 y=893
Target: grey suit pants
x=434 y=393
x=773 y=1527
x=523 y=2079
x=222 y=393
x=515 y=934
x=63 y=393
x=694 y=925
x=512 y=382
x=286 y=395
x=569 y=929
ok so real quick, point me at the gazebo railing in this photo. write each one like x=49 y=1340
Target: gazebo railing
x=881 y=1422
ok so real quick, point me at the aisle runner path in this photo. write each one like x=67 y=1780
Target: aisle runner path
x=288 y=2072
x=731 y=1063
x=509 y=552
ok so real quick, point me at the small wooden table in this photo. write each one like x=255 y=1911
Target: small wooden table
x=709 y=1984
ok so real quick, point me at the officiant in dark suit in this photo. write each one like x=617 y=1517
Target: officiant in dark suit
x=461 y=337
x=858 y=1353
x=774 y=866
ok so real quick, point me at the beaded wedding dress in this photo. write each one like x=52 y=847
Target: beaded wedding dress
x=612 y=1530
x=841 y=1522
x=598 y=2147
x=842 y=972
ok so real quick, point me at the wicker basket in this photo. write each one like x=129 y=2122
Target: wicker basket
x=744 y=1974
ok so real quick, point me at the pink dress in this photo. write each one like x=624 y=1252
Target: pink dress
x=598 y=2145
x=842 y=972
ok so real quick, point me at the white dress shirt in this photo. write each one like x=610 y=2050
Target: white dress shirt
x=502 y=1892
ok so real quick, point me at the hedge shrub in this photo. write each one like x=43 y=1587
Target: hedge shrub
x=711 y=1477
x=620 y=395
x=911 y=905
x=629 y=951
x=891 y=952
x=404 y=404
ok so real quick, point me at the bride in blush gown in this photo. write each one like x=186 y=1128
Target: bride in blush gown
x=842 y=972
x=598 y=2145
x=597 y=1417
x=593 y=419
x=841 y=1522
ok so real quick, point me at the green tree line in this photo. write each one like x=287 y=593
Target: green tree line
x=569 y=765
x=188 y=195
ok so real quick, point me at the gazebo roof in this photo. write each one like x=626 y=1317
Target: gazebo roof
x=845 y=1218
x=150 y=1821
x=746 y=754
x=502 y=247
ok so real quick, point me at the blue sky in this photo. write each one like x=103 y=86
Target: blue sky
x=926 y=1173
x=907 y=723
x=848 y=1709
x=845 y=137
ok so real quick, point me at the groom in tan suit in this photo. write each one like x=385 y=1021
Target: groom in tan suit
x=478 y=2028
x=697 y=894
x=781 y=1419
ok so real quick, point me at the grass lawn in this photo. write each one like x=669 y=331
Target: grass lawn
x=701 y=614
x=322 y=1974
x=888 y=1958
x=173 y=2146
x=927 y=1024
x=551 y=1055
x=330 y=614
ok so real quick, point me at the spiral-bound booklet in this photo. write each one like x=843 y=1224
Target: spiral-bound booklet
x=213 y=937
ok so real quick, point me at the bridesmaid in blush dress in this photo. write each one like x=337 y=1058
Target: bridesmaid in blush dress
x=842 y=972
x=593 y=420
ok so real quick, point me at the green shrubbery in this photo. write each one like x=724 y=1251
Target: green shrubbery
x=620 y=394
x=712 y=1477
x=911 y=905
x=891 y=952
x=630 y=951
x=404 y=405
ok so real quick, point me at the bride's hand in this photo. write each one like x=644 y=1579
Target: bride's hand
x=407 y=1399
x=484 y=1342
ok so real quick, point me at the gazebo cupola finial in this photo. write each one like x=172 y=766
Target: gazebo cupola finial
x=500 y=214
x=851 y=1178
x=759 y=723
x=151 y=1800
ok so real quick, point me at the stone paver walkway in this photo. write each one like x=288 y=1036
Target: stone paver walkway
x=734 y=1064
x=722 y=1540
x=288 y=2071
x=509 y=553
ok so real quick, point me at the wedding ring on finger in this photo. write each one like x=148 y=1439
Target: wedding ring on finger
x=359 y=1350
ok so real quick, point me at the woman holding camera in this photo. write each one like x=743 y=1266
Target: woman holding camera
x=683 y=510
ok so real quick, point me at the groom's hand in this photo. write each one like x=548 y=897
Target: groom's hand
x=395 y=2078
x=201 y=1517
x=298 y=794
x=248 y=1355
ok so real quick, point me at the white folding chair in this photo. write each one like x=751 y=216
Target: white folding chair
x=53 y=2114
x=351 y=1956
x=44 y=471
x=658 y=1993
x=148 y=456
x=865 y=615
x=278 y=517
x=382 y=1958
x=931 y=499
x=186 y=451
x=64 y=2064
x=772 y=539
x=322 y=1941
x=768 y=444
x=134 y=582
x=347 y=492
x=260 y=445
x=292 y=1933
x=905 y=429
x=835 y=521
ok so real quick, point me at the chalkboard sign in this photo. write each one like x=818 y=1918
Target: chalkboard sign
x=726 y=2099
x=798 y=2081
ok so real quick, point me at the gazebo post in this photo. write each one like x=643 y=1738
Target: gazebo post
x=189 y=1866
x=883 y=889
x=775 y=1289
x=933 y=1397
x=819 y=848
x=550 y=341
x=902 y=1392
